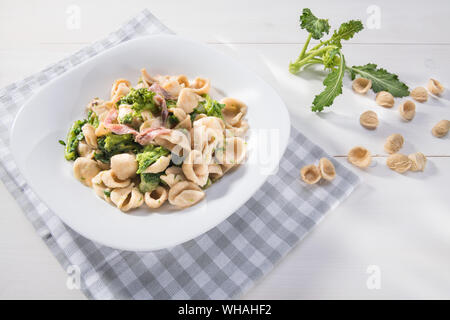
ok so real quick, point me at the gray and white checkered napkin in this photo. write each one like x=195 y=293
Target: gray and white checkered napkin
x=221 y=264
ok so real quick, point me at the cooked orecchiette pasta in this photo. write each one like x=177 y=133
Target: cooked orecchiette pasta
x=85 y=169
x=112 y=181
x=185 y=194
x=163 y=139
x=188 y=100
x=234 y=110
x=156 y=198
x=124 y=165
x=200 y=85
x=127 y=198
x=173 y=175
x=195 y=169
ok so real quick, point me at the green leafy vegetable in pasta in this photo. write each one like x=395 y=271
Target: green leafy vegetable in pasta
x=140 y=100
x=113 y=144
x=329 y=54
x=173 y=120
x=149 y=182
x=149 y=155
x=74 y=137
x=92 y=118
x=210 y=107
x=126 y=119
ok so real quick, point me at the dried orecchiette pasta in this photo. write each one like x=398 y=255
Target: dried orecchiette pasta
x=385 y=99
x=112 y=181
x=419 y=94
x=89 y=135
x=310 y=174
x=360 y=157
x=327 y=169
x=124 y=165
x=234 y=110
x=176 y=141
x=185 y=194
x=173 y=175
x=441 y=128
x=200 y=85
x=160 y=165
x=361 y=85
x=435 y=87
x=188 y=100
x=85 y=169
x=156 y=198
x=394 y=143
x=418 y=161
x=398 y=162
x=407 y=110
x=127 y=198
x=195 y=169
x=369 y=120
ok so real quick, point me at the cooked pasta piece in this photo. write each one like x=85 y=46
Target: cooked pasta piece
x=124 y=165
x=160 y=165
x=112 y=181
x=172 y=176
x=215 y=171
x=156 y=198
x=85 y=169
x=120 y=88
x=200 y=85
x=127 y=198
x=84 y=150
x=102 y=191
x=234 y=110
x=195 y=169
x=175 y=141
x=185 y=194
x=89 y=135
x=188 y=100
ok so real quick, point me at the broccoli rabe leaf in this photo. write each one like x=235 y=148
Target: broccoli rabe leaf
x=345 y=32
x=74 y=137
x=149 y=182
x=126 y=119
x=213 y=107
x=149 y=155
x=333 y=87
x=173 y=120
x=382 y=80
x=113 y=144
x=317 y=27
x=140 y=100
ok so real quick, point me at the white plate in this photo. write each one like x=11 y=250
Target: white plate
x=47 y=116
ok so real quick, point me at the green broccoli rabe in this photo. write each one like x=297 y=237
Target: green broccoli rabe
x=149 y=182
x=126 y=119
x=140 y=100
x=113 y=144
x=210 y=107
x=173 y=120
x=149 y=155
x=74 y=137
x=329 y=54
x=92 y=118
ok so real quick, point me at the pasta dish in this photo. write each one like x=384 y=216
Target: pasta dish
x=164 y=140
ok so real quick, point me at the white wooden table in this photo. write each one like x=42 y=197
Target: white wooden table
x=393 y=226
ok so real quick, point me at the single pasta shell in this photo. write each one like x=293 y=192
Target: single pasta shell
x=398 y=162
x=419 y=94
x=360 y=157
x=435 y=87
x=418 y=161
x=327 y=169
x=441 y=128
x=310 y=174
x=369 y=120
x=385 y=99
x=394 y=143
x=407 y=110
x=361 y=85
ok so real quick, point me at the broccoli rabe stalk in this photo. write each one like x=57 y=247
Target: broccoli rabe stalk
x=140 y=100
x=329 y=54
x=149 y=155
x=92 y=118
x=113 y=144
x=149 y=182
x=74 y=137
